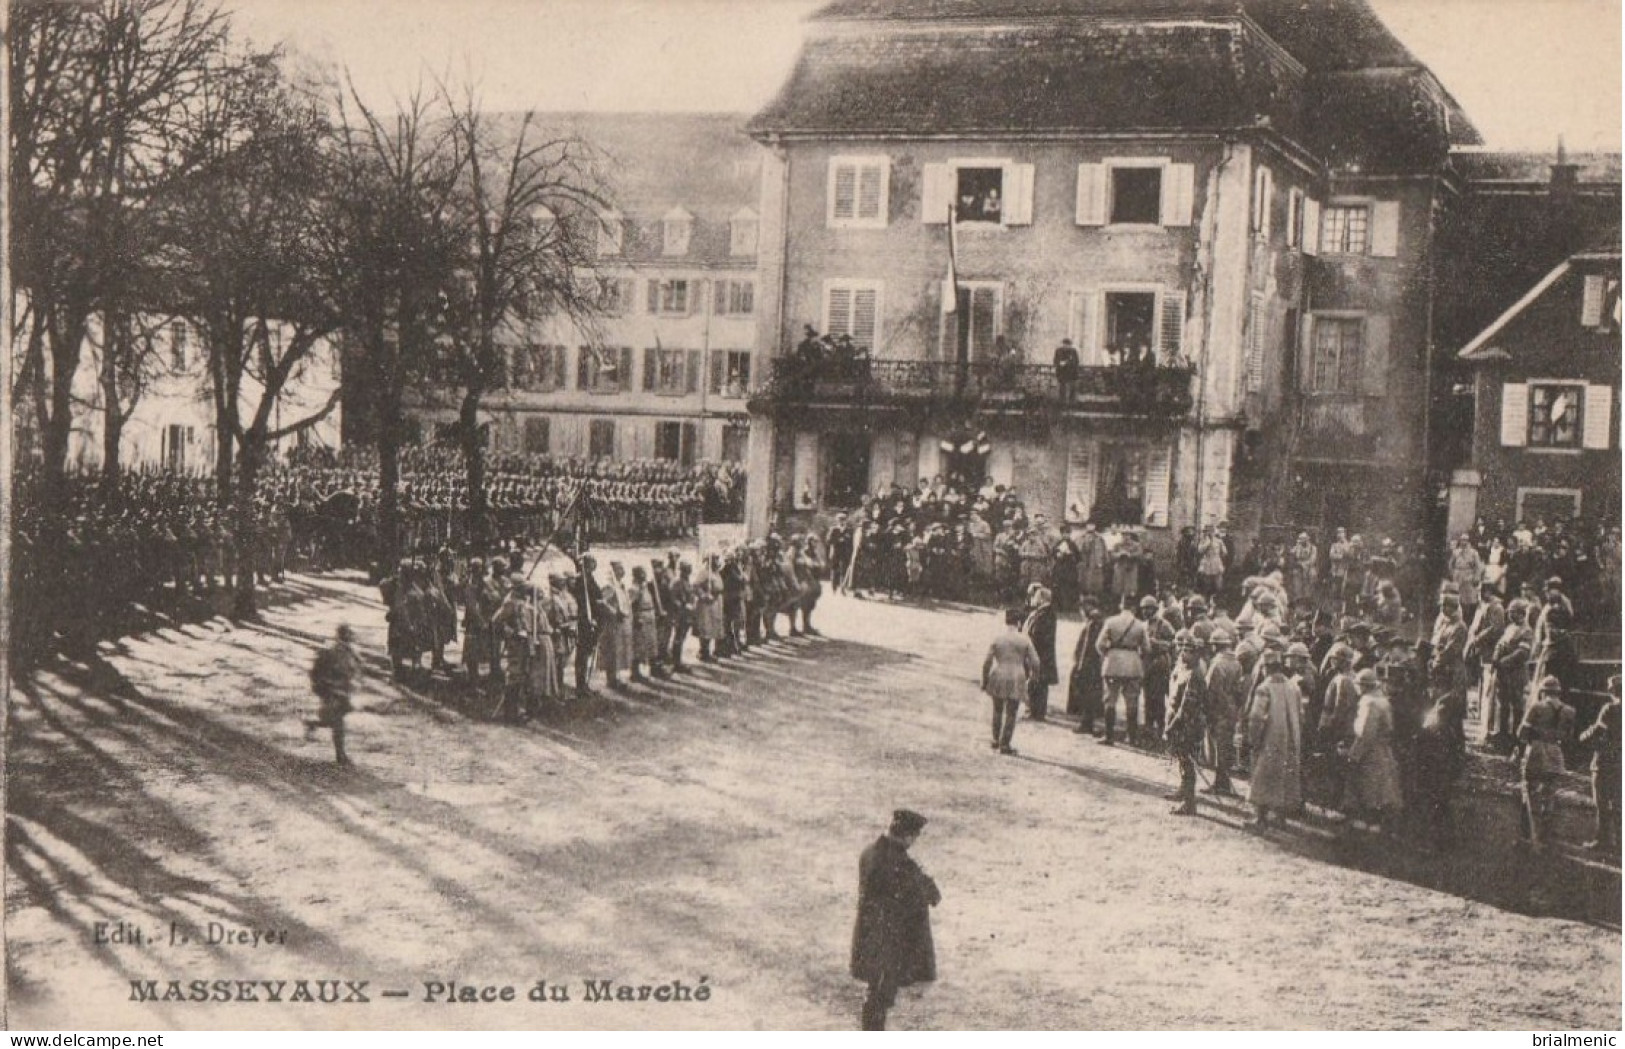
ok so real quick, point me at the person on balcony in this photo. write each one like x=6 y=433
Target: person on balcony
x=1006 y=364
x=1066 y=369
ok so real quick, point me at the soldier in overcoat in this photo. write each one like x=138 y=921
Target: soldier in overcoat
x=891 y=943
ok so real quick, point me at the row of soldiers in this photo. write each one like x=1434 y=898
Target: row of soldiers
x=521 y=632
x=109 y=546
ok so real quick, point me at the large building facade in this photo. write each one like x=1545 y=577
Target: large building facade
x=1246 y=191
x=664 y=372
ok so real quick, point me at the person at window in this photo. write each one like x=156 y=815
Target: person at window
x=1066 y=369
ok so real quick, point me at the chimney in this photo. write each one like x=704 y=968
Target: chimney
x=1565 y=176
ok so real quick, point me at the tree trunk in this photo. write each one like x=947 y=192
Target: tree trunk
x=113 y=415
x=478 y=523
x=57 y=429
x=388 y=421
x=245 y=603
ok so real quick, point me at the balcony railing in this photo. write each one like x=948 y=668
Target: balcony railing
x=988 y=385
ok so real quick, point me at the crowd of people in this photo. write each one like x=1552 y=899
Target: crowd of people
x=153 y=533
x=946 y=539
x=1349 y=716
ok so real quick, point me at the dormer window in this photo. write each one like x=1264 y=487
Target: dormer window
x=610 y=232
x=677 y=227
x=743 y=230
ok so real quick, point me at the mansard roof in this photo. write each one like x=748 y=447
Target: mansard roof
x=1323 y=72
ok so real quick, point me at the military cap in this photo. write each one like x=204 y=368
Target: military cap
x=1554 y=583
x=1340 y=653
x=1367 y=680
x=1298 y=650
x=907 y=821
x=1550 y=684
x=1148 y=602
x=1270 y=658
x=1202 y=632
x=1222 y=638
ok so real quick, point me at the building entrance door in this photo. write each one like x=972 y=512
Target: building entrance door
x=846 y=466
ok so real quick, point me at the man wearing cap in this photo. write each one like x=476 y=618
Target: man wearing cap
x=615 y=626
x=1373 y=770
x=1122 y=648
x=1226 y=696
x=1546 y=725
x=1187 y=718
x=1340 y=705
x=1447 y=666
x=1555 y=653
x=333 y=680
x=1012 y=664
x=1274 y=728
x=891 y=942
x=1603 y=737
x=1467 y=572
x=1160 y=627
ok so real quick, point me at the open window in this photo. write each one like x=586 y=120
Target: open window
x=979 y=194
x=1136 y=196
x=1131 y=324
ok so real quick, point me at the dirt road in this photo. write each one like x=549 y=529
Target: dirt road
x=704 y=834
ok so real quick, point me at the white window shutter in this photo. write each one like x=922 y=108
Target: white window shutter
x=1385 y=229
x=1514 y=415
x=1253 y=344
x=1171 y=334
x=1092 y=350
x=1158 y=476
x=1075 y=319
x=936 y=193
x=1306 y=352
x=1091 y=194
x=1018 y=194
x=838 y=312
x=1294 y=218
x=1591 y=306
x=1599 y=417
x=1178 y=194
x=1311 y=227
x=1080 y=478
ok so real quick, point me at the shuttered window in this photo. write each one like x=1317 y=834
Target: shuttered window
x=1337 y=365
x=1514 y=415
x=1599 y=417
x=853 y=308
x=1254 y=353
x=1158 y=482
x=858 y=191
x=1556 y=415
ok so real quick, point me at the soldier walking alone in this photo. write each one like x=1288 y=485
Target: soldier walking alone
x=333 y=678
x=891 y=944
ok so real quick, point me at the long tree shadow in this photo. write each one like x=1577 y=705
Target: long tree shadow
x=1485 y=866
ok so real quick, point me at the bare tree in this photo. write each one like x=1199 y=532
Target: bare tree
x=97 y=88
x=388 y=250
x=244 y=272
x=529 y=203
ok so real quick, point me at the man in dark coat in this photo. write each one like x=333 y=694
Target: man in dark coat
x=1086 y=688
x=1040 y=626
x=891 y=944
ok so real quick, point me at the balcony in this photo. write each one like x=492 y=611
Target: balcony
x=992 y=386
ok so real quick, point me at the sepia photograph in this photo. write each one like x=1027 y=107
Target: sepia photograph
x=811 y=515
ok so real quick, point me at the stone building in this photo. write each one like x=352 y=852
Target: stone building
x=1247 y=189
x=663 y=375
